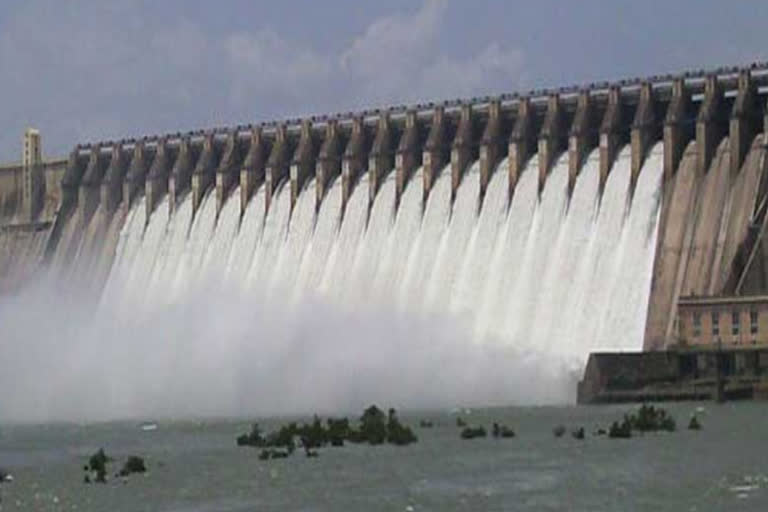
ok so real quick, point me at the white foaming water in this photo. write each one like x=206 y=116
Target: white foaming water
x=565 y=253
x=316 y=256
x=596 y=273
x=217 y=255
x=468 y=288
x=167 y=285
x=506 y=261
x=455 y=242
x=275 y=226
x=400 y=241
x=421 y=260
x=373 y=244
x=190 y=270
x=127 y=245
x=543 y=275
x=348 y=242
x=538 y=256
x=145 y=259
x=294 y=244
x=248 y=237
x=621 y=327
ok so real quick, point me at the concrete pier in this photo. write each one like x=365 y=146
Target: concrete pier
x=435 y=154
x=408 y=156
x=205 y=170
x=228 y=171
x=551 y=139
x=112 y=184
x=582 y=137
x=646 y=129
x=491 y=147
x=156 y=185
x=745 y=121
x=709 y=123
x=613 y=133
x=328 y=161
x=253 y=171
x=521 y=143
x=463 y=149
x=303 y=161
x=180 y=179
x=90 y=185
x=678 y=131
x=277 y=164
x=355 y=160
x=381 y=161
x=133 y=184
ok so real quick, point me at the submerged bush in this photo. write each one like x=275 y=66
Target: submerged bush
x=473 y=432
x=134 y=464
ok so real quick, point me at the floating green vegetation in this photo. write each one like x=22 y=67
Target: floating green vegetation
x=375 y=428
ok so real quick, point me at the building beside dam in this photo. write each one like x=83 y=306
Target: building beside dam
x=612 y=215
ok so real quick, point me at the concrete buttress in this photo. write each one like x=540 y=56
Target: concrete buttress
x=303 y=162
x=277 y=164
x=463 y=149
x=254 y=167
x=408 y=156
x=490 y=146
x=435 y=150
x=227 y=173
x=328 y=164
x=522 y=143
x=381 y=159
x=582 y=137
x=354 y=161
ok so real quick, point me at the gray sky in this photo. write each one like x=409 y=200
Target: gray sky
x=83 y=70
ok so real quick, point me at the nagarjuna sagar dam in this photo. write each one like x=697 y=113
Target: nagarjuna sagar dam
x=607 y=217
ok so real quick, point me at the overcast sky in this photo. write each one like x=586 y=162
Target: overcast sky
x=95 y=69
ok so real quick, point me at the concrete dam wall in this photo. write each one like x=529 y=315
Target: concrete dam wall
x=561 y=221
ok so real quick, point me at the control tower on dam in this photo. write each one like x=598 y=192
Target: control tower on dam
x=565 y=220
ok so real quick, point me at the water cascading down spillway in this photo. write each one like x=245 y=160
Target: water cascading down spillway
x=548 y=224
x=541 y=274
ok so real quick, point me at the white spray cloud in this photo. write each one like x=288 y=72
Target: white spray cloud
x=221 y=353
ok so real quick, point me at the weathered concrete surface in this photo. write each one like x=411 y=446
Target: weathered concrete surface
x=707 y=215
x=743 y=202
x=673 y=375
x=675 y=232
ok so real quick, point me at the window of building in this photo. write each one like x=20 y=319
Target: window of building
x=696 y=325
x=753 y=322
x=715 y=324
x=735 y=327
